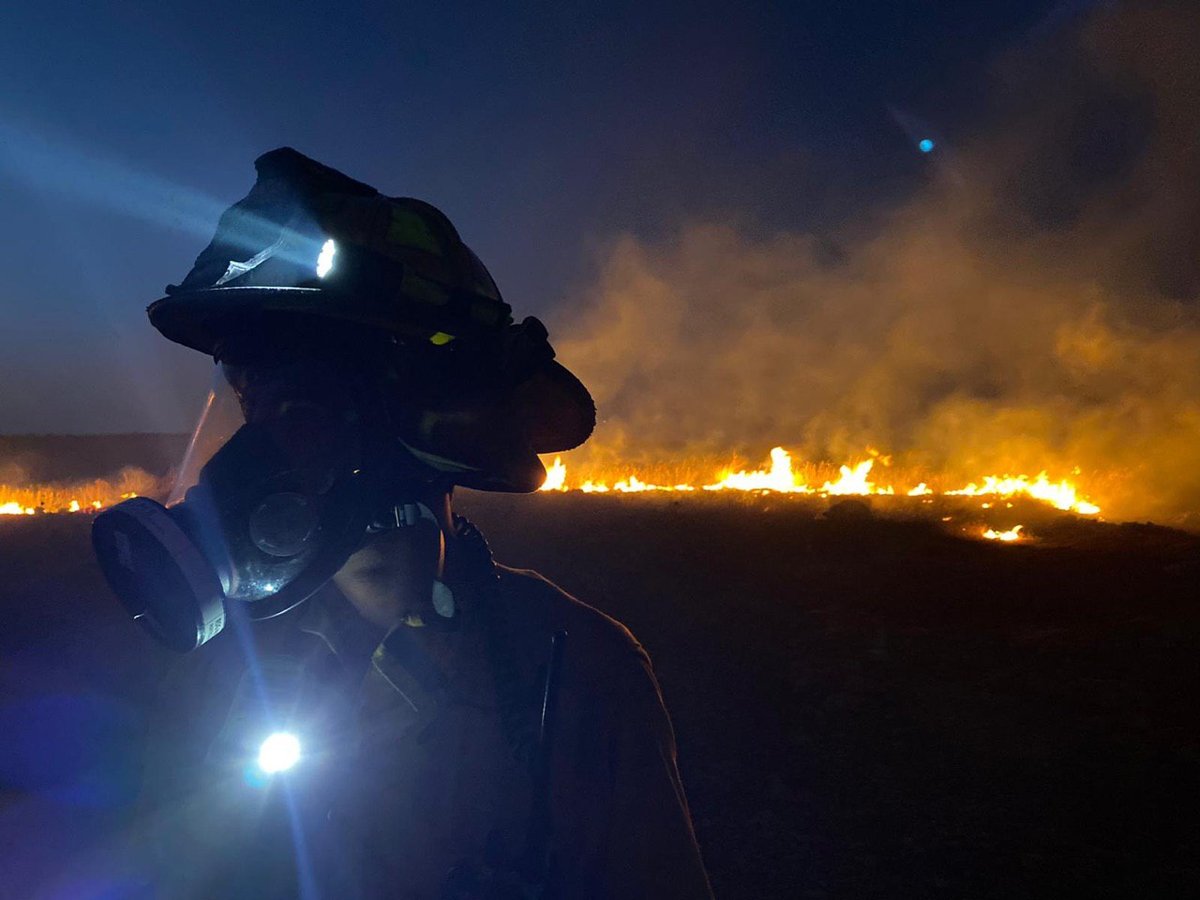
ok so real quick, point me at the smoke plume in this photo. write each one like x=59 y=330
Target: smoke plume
x=1033 y=306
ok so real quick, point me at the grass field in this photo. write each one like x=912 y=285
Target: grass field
x=866 y=707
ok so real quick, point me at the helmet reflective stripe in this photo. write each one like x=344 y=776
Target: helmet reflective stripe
x=411 y=230
x=237 y=269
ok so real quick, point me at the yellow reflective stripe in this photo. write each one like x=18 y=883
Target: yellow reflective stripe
x=441 y=339
x=411 y=230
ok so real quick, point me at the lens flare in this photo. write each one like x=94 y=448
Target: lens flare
x=279 y=752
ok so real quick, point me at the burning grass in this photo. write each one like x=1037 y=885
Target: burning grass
x=860 y=478
x=1008 y=536
x=76 y=496
x=986 y=508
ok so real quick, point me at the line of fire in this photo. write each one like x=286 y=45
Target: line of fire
x=870 y=477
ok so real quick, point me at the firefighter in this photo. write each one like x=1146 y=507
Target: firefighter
x=372 y=707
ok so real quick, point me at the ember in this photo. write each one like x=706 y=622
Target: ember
x=1013 y=534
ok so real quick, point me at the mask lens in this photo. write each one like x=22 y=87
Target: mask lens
x=283 y=523
x=275 y=441
x=274 y=495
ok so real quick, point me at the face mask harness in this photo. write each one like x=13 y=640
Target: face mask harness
x=280 y=485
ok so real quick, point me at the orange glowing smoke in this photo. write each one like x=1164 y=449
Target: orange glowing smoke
x=779 y=476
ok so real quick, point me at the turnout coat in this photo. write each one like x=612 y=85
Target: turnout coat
x=415 y=777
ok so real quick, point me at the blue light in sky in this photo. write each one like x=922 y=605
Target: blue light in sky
x=926 y=145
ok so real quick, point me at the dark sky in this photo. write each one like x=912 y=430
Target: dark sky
x=543 y=130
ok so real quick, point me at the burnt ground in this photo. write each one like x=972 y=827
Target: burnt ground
x=865 y=707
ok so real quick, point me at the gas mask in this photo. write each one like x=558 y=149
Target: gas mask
x=282 y=482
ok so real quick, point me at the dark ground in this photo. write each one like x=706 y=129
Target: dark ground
x=876 y=709
x=865 y=707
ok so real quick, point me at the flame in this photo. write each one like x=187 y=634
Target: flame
x=780 y=475
x=633 y=485
x=75 y=497
x=781 y=479
x=556 y=476
x=15 y=508
x=1013 y=534
x=1060 y=495
x=854 y=481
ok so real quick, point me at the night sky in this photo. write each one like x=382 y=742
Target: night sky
x=125 y=129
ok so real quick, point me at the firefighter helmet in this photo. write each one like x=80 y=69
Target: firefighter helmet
x=310 y=251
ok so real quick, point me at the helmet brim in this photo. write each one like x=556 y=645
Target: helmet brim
x=199 y=319
x=554 y=407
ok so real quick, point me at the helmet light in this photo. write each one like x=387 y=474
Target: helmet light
x=325 y=259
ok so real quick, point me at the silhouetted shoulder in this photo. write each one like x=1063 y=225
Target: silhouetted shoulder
x=597 y=641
